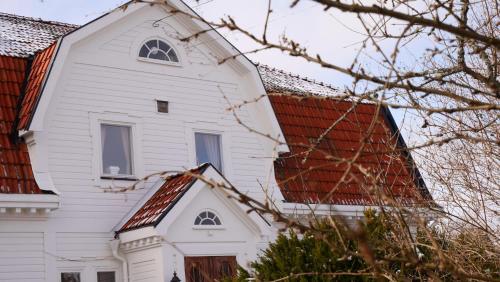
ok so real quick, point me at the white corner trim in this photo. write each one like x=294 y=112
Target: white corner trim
x=29 y=201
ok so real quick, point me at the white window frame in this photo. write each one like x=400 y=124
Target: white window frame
x=107 y=269
x=225 y=143
x=208 y=227
x=156 y=61
x=79 y=269
x=135 y=124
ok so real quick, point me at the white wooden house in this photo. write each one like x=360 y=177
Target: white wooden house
x=105 y=104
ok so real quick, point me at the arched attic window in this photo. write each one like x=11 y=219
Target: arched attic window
x=156 y=49
x=207 y=218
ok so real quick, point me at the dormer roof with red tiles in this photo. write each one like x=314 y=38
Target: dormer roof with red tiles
x=34 y=85
x=164 y=199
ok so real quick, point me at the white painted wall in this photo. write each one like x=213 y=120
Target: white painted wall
x=21 y=256
x=102 y=76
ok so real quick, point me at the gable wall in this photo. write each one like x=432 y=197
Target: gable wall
x=236 y=236
x=100 y=78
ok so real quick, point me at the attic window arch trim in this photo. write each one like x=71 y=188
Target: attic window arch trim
x=208 y=219
x=158 y=50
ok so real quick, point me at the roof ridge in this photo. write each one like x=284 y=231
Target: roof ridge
x=186 y=171
x=298 y=76
x=40 y=20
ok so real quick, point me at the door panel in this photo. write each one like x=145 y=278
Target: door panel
x=210 y=268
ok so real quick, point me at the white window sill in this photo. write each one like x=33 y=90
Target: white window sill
x=119 y=177
x=160 y=62
x=208 y=227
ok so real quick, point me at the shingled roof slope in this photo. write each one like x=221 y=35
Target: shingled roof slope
x=156 y=207
x=34 y=85
x=16 y=175
x=279 y=81
x=23 y=36
x=322 y=178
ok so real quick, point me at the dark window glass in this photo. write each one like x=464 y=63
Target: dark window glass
x=106 y=276
x=116 y=150
x=163 y=46
x=144 y=51
x=158 y=55
x=208 y=149
x=70 y=277
x=172 y=56
x=152 y=44
x=217 y=221
x=162 y=106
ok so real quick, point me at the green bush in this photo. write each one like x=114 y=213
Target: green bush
x=375 y=250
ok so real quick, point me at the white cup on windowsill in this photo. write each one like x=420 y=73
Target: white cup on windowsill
x=113 y=170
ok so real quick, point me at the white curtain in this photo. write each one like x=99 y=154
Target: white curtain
x=103 y=141
x=211 y=143
x=125 y=134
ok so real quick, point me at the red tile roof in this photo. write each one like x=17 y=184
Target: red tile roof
x=37 y=76
x=156 y=207
x=320 y=179
x=16 y=175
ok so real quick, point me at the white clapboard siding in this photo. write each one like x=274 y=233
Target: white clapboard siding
x=21 y=256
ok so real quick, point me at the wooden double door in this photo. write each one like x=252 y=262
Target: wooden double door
x=209 y=269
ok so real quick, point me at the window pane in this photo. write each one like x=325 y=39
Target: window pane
x=208 y=149
x=173 y=56
x=163 y=46
x=144 y=52
x=158 y=55
x=106 y=276
x=116 y=150
x=70 y=277
x=152 y=44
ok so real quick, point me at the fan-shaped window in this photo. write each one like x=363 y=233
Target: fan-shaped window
x=158 y=50
x=207 y=218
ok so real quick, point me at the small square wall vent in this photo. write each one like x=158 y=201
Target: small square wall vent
x=162 y=106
